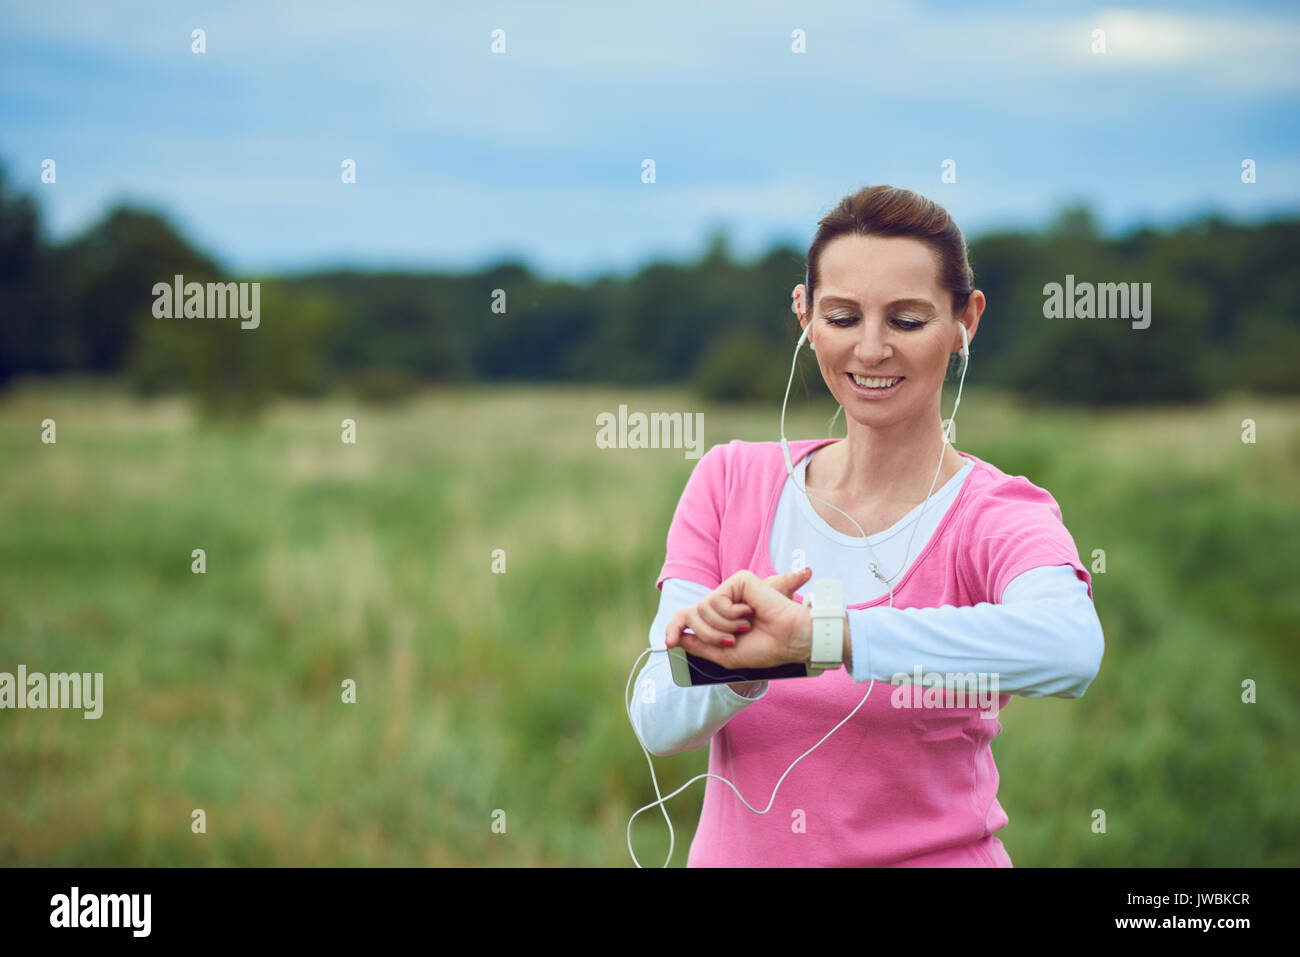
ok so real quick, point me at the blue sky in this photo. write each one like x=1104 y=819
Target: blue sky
x=465 y=157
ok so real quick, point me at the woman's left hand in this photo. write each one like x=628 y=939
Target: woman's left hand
x=781 y=631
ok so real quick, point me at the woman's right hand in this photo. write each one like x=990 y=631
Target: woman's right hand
x=717 y=619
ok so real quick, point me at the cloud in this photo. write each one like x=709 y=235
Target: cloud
x=1241 y=53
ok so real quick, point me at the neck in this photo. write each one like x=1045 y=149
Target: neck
x=893 y=463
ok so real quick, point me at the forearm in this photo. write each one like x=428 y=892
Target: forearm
x=1038 y=644
x=668 y=718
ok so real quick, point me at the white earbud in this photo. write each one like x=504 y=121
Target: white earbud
x=964 y=351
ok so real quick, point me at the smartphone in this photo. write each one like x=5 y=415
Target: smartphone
x=690 y=671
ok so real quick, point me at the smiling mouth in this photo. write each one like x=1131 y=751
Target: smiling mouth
x=875 y=382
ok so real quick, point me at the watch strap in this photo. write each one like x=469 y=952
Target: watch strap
x=826 y=605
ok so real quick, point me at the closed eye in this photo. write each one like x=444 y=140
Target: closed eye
x=900 y=322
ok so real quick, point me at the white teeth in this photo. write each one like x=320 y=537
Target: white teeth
x=874 y=383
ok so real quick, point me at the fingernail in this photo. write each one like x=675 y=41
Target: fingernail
x=744 y=626
x=728 y=641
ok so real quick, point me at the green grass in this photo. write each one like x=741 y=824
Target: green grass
x=478 y=691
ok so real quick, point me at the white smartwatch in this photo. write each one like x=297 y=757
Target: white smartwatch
x=826 y=603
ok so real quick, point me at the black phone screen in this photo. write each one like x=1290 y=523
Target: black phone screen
x=706 y=672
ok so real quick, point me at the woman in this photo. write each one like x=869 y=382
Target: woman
x=974 y=575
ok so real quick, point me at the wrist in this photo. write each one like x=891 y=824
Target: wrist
x=802 y=643
x=848 y=645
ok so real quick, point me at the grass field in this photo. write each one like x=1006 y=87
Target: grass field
x=479 y=692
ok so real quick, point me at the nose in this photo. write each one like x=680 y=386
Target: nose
x=871 y=348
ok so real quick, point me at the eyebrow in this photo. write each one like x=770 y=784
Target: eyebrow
x=825 y=302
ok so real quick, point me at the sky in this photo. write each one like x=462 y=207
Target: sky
x=535 y=151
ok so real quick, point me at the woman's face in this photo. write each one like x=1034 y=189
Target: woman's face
x=881 y=315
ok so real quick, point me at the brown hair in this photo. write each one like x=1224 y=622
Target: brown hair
x=890 y=211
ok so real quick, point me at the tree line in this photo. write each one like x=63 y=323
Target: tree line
x=1224 y=315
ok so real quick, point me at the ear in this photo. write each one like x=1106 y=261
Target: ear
x=971 y=318
x=805 y=322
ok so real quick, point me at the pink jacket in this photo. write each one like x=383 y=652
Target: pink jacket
x=901 y=787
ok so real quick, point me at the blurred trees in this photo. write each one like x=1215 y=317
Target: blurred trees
x=1225 y=314
x=26 y=339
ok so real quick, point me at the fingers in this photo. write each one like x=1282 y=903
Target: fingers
x=676 y=633
x=723 y=614
x=673 y=632
x=708 y=631
x=790 y=582
x=717 y=653
x=717 y=617
x=704 y=630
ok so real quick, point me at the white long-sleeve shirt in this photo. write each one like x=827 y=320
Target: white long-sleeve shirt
x=1043 y=638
